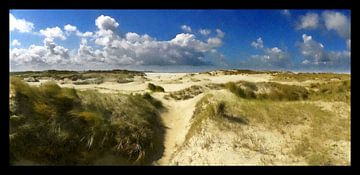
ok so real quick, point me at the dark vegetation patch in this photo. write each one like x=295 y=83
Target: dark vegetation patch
x=50 y=125
x=155 y=88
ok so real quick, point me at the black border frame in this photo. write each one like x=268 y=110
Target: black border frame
x=164 y=4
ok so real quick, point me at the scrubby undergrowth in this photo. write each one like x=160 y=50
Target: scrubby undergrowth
x=61 y=126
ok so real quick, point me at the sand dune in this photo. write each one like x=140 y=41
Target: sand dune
x=213 y=146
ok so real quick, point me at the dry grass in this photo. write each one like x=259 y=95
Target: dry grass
x=61 y=126
x=82 y=77
x=277 y=116
x=186 y=93
x=300 y=77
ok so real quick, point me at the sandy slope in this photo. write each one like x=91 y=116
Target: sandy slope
x=177 y=122
x=213 y=145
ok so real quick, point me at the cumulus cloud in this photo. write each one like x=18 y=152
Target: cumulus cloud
x=313 y=50
x=271 y=58
x=205 y=32
x=186 y=28
x=106 y=23
x=109 y=48
x=53 y=33
x=48 y=54
x=308 y=21
x=44 y=55
x=328 y=21
x=220 y=33
x=15 y=42
x=314 y=53
x=85 y=34
x=258 y=43
x=21 y=25
x=70 y=28
x=338 y=22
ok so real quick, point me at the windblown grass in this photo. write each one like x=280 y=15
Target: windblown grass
x=186 y=93
x=319 y=125
x=274 y=91
x=331 y=91
x=300 y=77
x=61 y=126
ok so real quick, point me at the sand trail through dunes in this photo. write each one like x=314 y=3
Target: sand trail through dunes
x=177 y=122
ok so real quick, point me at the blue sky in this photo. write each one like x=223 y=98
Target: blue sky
x=255 y=39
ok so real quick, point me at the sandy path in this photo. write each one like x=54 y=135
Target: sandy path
x=177 y=122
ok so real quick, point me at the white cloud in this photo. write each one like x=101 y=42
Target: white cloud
x=308 y=21
x=314 y=53
x=313 y=50
x=272 y=57
x=85 y=35
x=205 y=32
x=286 y=12
x=106 y=23
x=48 y=54
x=220 y=33
x=186 y=28
x=338 y=22
x=21 y=25
x=70 y=28
x=305 y=62
x=111 y=49
x=215 y=42
x=258 y=43
x=329 y=20
x=274 y=50
x=39 y=56
x=15 y=42
x=53 y=33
